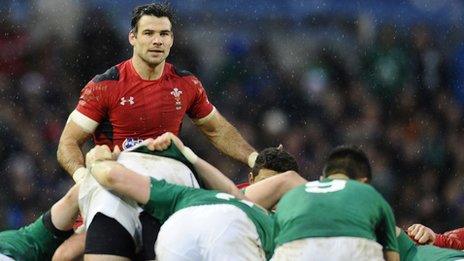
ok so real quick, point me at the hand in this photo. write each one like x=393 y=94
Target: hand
x=99 y=153
x=421 y=234
x=116 y=152
x=162 y=142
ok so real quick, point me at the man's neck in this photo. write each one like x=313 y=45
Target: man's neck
x=338 y=176
x=145 y=71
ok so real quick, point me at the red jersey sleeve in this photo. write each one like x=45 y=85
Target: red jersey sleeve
x=201 y=106
x=243 y=185
x=92 y=102
x=452 y=239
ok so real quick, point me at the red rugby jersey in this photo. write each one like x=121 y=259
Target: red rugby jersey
x=130 y=109
x=451 y=239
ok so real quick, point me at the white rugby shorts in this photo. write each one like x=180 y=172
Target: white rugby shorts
x=209 y=232
x=329 y=249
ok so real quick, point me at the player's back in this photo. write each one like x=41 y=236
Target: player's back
x=166 y=199
x=331 y=208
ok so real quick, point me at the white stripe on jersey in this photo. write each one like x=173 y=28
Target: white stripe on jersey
x=86 y=123
x=206 y=118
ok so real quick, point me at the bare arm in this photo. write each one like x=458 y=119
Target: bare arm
x=391 y=255
x=69 y=152
x=215 y=179
x=269 y=191
x=226 y=138
x=116 y=177
x=128 y=183
x=64 y=212
x=71 y=249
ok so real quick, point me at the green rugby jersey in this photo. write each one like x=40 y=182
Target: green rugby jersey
x=166 y=199
x=335 y=208
x=33 y=242
x=409 y=251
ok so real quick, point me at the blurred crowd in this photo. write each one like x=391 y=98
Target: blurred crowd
x=399 y=94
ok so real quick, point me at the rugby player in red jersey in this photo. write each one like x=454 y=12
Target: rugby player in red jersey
x=140 y=98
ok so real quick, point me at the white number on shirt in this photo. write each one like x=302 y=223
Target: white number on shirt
x=226 y=196
x=325 y=187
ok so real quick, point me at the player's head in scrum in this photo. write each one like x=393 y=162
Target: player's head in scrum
x=151 y=33
x=350 y=161
x=272 y=161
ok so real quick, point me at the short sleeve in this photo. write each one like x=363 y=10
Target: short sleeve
x=201 y=107
x=386 y=233
x=452 y=239
x=93 y=101
x=163 y=199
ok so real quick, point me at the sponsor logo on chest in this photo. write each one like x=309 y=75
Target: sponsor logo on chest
x=130 y=142
x=176 y=93
x=125 y=101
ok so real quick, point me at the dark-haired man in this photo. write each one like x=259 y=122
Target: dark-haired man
x=271 y=161
x=275 y=173
x=39 y=240
x=141 y=98
x=338 y=217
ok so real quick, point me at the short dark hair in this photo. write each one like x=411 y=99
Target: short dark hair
x=349 y=160
x=275 y=159
x=154 y=9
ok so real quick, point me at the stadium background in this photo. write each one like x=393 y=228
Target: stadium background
x=387 y=75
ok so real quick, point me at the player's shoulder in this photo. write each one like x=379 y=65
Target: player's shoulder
x=368 y=191
x=182 y=75
x=184 y=78
x=360 y=186
x=112 y=74
x=178 y=72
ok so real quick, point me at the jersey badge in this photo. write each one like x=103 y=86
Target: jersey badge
x=176 y=93
x=130 y=142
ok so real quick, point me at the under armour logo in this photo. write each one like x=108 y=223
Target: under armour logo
x=124 y=100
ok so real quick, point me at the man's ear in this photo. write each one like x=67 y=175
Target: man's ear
x=250 y=178
x=132 y=36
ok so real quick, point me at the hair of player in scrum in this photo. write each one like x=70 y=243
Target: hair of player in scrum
x=349 y=160
x=275 y=159
x=155 y=9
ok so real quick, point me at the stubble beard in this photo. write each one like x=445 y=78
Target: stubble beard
x=152 y=63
